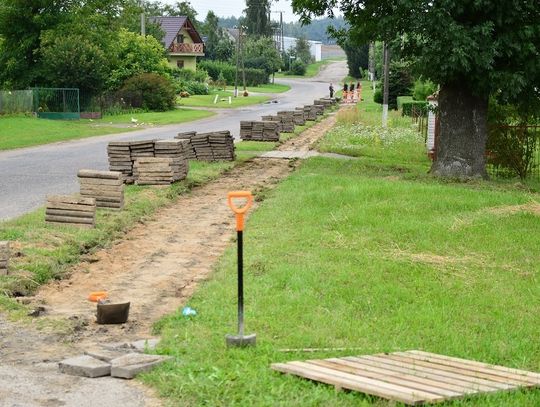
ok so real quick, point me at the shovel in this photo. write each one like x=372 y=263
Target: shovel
x=240 y=340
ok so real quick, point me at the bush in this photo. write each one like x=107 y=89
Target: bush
x=154 y=91
x=414 y=108
x=298 y=67
x=222 y=70
x=403 y=99
x=422 y=89
x=400 y=83
x=378 y=96
x=187 y=75
x=512 y=141
x=194 y=88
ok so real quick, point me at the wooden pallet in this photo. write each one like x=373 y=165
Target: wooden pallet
x=412 y=377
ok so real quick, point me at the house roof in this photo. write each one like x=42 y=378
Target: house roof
x=172 y=25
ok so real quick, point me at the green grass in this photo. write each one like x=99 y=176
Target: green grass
x=370 y=253
x=26 y=131
x=223 y=100
x=311 y=70
x=270 y=88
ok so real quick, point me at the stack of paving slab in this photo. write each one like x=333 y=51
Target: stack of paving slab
x=188 y=148
x=271 y=118
x=304 y=112
x=325 y=102
x=318 y=109
x=311 y=112
x=120 y=158
x=4 y=258
x=121 y=362
x=69 y=210
x=158 y=171
x=259 y=131
x=287 y=120
x=140 y=149
x=298 y=117
x=202 y=147
x=175 y=149
x=222 y=144
x=106 y=187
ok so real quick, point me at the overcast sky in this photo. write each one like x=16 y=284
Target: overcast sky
x=227 y=8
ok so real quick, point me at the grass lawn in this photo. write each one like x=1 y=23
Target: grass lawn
x=223 y=100
x=371 y=253
x=26 y=131
x=311 y=70
x=270 y=88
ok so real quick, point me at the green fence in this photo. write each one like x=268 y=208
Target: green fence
x=57 y=103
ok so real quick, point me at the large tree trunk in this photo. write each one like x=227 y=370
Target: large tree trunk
x=463 y=133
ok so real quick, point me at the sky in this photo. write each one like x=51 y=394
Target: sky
x=227 y=8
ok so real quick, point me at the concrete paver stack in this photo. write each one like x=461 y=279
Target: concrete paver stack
x=259 y=131
x=69 y=210
x=158 y=171
x=188 y=148
x=175 y=149
x=4 y=258
x=107 y=187
x=287 y=120
x=120 y=158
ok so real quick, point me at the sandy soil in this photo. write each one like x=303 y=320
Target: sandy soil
x=157 y=267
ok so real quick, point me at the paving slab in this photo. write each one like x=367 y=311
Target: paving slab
x=145 y=344
x=130 y=365
x=85 y=366
x=105 y=355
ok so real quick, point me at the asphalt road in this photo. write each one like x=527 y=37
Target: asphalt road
x=28 y=175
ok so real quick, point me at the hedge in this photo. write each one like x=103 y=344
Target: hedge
x=254 y=76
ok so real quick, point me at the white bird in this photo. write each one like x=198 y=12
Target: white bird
x=134 y=120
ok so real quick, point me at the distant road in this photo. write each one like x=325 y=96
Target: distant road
x=28 y=175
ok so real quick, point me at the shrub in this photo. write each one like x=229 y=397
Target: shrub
x=414 y=108
x=194 y=88
x=512 y=141
x=221 y=70
x=422 y=89
x=298 y=67
x=155 y=92
x=403 y=99
x=187 y=75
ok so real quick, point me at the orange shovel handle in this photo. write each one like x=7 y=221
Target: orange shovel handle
x=240 y=211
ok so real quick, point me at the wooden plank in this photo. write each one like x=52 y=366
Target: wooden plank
x=432 y=397
x=467 y=386
x=299 y=370
x=504 y=376
x=461 y=372
x=387 y=378
x=437 y=382
x=485 y=383
x=479 y=364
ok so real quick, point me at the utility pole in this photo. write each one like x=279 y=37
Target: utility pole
x=372 y=61
x=237 y=62
x=386 y=85
x=143 y=20
x=243 y=67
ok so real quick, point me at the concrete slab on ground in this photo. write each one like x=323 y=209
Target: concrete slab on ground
x=85 y=366
x=130 y=365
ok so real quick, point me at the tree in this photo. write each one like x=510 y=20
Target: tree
x=470 y=48
x=302 y=50
x=260 y=52
x=257 y=20
x=357 y=56
x=217 y=46
x=135 y=55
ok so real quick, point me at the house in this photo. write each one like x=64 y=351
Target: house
x=314 y=47
x=181 y=40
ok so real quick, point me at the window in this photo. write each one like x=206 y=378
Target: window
x=180 y=39
x=180 y=63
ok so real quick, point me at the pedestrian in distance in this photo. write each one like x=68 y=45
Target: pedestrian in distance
x=345 y=88
x=345 y=93
x=351 y=87
x=331 y=89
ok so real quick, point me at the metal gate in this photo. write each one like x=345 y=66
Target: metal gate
x=57 y=103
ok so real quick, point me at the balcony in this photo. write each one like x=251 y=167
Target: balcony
x=183 y=48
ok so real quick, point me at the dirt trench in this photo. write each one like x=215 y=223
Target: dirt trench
x=157 y=266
